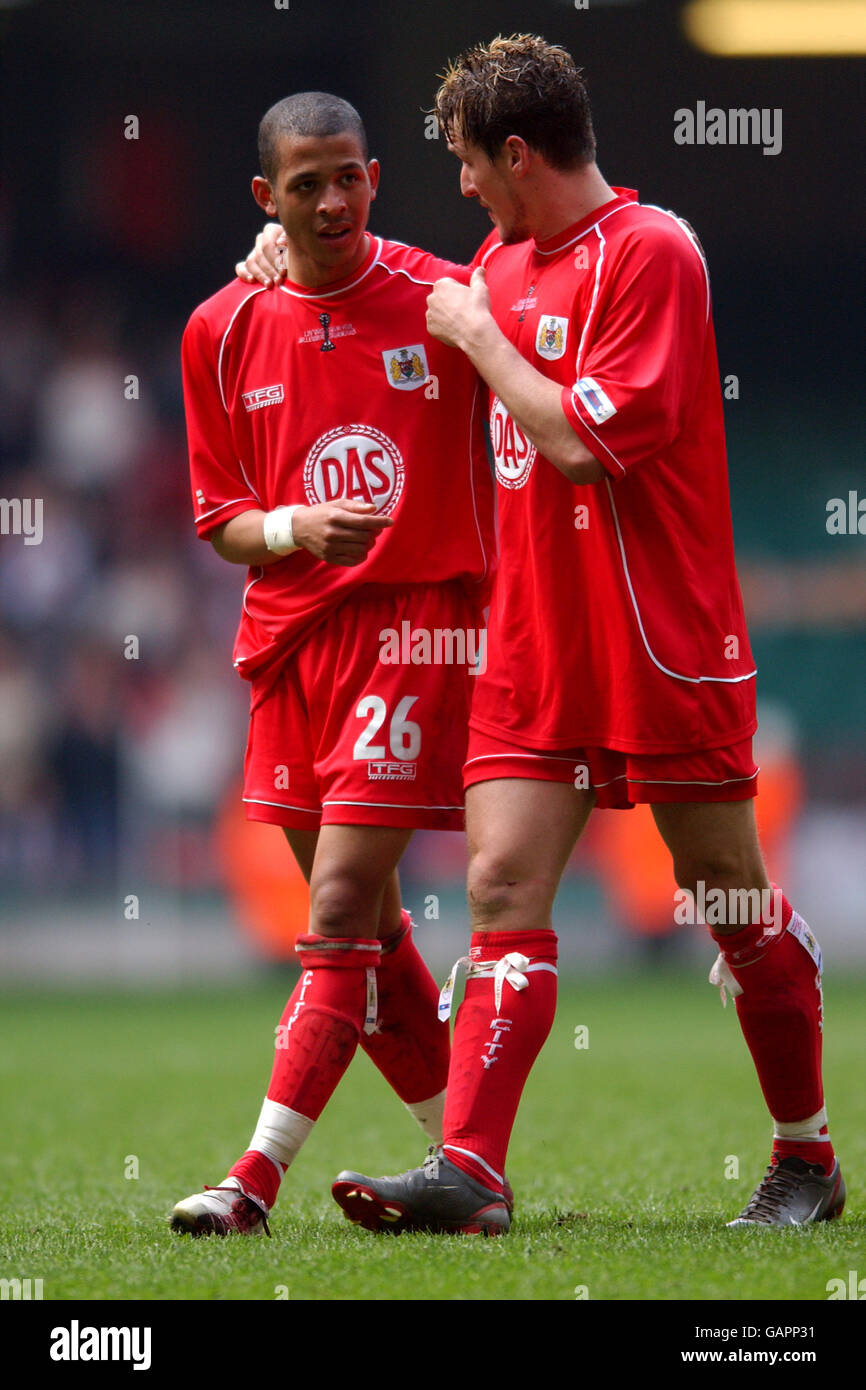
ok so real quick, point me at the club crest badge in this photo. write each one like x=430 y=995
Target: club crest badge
x=406 y=367
x=551 y=339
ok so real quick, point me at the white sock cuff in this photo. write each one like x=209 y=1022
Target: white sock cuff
x=803 y=1129
x=429 y=1114
x=280 y=1132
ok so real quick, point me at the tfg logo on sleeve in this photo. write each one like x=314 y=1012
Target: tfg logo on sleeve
x=600 y=406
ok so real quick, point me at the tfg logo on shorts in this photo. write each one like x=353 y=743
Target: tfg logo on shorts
x=76 y=1343
x=380 y=771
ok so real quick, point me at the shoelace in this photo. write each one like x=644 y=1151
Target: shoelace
x=776 y=1184
x=431 y=1163
x=509 y=967
x=239 y=1192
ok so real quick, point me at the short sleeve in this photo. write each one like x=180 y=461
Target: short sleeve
x=219 y=488
x=642 y=356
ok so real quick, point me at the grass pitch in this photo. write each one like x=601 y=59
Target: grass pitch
x=628 y=1156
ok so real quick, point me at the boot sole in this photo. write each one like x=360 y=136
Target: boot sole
x=364 y=1207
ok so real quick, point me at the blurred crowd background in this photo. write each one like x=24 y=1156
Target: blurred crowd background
x=122 y=724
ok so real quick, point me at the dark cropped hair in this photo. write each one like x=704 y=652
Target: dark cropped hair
x=305 y=113
x=523 y=86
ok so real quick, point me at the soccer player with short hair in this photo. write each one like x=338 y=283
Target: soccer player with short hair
x=326 y=428
x=619 y=668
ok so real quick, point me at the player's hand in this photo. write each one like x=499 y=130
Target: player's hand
x=453 y=310
x=266 y=263
x=341 y=532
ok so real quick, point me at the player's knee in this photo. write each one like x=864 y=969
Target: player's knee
x=340 y=906
x=724 y=867
x=494 y=888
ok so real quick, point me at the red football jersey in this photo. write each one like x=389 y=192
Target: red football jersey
x=616 y=619
x=308 y=395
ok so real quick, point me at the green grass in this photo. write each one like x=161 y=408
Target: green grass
x=618 y=1157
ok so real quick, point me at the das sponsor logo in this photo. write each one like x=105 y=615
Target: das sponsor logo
x=513 y=454
x=357 y=462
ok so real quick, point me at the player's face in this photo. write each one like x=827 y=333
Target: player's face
x=322 y=195
x=493 y=184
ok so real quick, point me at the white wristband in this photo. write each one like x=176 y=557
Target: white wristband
x=278 y=530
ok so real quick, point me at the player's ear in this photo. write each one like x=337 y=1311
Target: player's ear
x=373 y=175
x=515 y=152
x=263 y=196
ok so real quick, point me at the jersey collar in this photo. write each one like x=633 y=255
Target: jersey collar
x=336 y=287
x=579 y=229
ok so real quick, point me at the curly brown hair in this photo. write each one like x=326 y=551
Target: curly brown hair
x=523 y=86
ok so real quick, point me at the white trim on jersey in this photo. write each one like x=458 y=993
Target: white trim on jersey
x=489 y=252
x=542 y=753
x=393 y=805
x=213 y=511
x=594 y=228
x=691 y=782
x=472 y=483
x=329 y=294
x=260 y=290
x=692 y=239
x=677 y=675
x=575 y=399
x=578 y=373
x=398 y=270
x=249 y=586
x=282 y=805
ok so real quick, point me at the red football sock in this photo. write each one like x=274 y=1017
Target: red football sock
x=315 y=1042
x=493 y=1051
x=778 y=968
x=410 y=1046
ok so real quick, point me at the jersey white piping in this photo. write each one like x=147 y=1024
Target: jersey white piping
x=249 y=586
x=494 y=757
x=691 y=782
x=245 y=300
x=393 y=805
x=598 y=264
x=213 y=511
x=282 y=805
x=398 y=270
x=578 y=361
x=329 y=294
x=677 y=675
x=693 y=242
x=472 y=483
x=594 y=228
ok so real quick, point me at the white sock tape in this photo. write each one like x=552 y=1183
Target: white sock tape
x=278 y=530
x=280 y=1132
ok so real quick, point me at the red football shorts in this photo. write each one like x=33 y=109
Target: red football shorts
x=368 y=720
x=619 y=780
